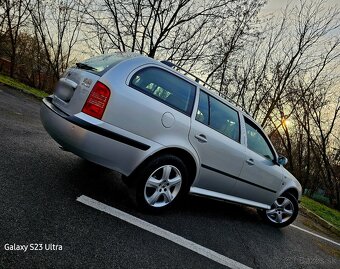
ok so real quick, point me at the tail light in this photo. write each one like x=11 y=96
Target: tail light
x=96 y=102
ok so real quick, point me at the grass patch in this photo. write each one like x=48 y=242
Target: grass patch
x=21 y=86
x=329 y=214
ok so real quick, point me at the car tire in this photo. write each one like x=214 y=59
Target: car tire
x=160 y=183
x=282 y=212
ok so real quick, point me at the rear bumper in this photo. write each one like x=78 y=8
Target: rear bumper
x=95 y=140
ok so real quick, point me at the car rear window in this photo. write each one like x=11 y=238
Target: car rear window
x=102 y=63
x=165 y=87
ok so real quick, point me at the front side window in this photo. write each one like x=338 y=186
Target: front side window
x=218 y=116
x=165 y=87
x=257 y=142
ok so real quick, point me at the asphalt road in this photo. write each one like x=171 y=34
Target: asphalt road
x=39 y=185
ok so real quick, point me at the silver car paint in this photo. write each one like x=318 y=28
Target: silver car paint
x=93 y=147
x=218 y=195
x=264 y=173
x=137 y=106
x=219 y=152
x=81 y=92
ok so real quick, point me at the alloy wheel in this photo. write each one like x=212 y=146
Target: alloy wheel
x=162 y=186
x=281 y=211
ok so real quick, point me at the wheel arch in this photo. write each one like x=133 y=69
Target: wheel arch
x=183 y=154
x=293 y=192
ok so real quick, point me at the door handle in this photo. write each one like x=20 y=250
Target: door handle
x=250 y=162
x=202 y=138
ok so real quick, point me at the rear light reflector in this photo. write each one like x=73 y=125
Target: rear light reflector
x=96 y=102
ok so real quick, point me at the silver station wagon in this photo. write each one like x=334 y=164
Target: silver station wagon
x=168 y=135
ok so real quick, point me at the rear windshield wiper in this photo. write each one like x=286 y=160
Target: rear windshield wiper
x=85 y=66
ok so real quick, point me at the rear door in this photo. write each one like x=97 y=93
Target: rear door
x=215 y=135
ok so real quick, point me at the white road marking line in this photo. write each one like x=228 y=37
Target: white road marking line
x=179 y=240
x=319 y=236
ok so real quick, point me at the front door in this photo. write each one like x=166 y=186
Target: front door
x=261 y=177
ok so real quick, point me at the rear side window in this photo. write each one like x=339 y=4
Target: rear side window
x=165 y=87
x=218 y=116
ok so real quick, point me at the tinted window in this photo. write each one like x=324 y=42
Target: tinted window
x=202 y=114
x=224 y=119
x=165 y=87
x=218 y=116
x=100 y=64
x=257 y=142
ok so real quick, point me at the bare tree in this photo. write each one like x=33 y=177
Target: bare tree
x=13 y=17
x=57 y=26
x=238 y=29
x=2 y=17
x=289 y=72
x=182 y=31
x=302 y=43
x=324 y=116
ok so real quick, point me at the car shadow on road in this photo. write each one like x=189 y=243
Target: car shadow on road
x=107 y=186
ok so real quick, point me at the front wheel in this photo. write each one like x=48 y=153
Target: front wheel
x=282 y=212
x=161 y=183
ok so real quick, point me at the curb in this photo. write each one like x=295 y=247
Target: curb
x=319 y=220
x=21 y=90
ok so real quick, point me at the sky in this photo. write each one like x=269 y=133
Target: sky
x=275 y=5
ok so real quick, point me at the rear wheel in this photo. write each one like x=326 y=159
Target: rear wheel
x=282 y=212
x=160 y=183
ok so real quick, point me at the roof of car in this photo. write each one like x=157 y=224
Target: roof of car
x=184 y=74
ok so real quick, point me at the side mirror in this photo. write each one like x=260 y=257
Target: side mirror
x=282 y=160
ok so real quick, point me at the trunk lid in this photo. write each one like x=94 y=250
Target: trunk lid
x=72 y=90
x=76 y=84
